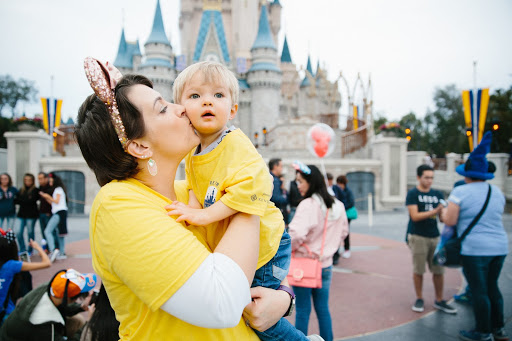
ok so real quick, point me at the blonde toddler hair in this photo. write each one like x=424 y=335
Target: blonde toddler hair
x=213 y=72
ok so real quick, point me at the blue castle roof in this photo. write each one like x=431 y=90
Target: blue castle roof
x=123 y=59
x=305 y=81
x=264 y=38
x=211 y=17
x=158 y=32
x=285 y=55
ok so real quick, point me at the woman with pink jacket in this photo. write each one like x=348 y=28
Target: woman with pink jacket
x=307 y=227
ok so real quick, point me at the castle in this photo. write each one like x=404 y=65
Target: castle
x=241 y=35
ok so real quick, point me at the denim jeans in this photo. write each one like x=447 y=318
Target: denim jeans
x=44 y=218
x=482 y=273
x=51 y=233
x=20 y=229
x=321 y=302
x=271 y=275
x=7 y=222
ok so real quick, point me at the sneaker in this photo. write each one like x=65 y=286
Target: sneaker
x=62 y=257
x=462 y=298
x=53 y=255
x=442 y=305
x=346 y=254
x=472 y=335
x=418 y=306
x=500 y=335
x=315 y=337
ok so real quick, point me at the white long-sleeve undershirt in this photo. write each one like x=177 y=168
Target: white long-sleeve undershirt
x=214 y=296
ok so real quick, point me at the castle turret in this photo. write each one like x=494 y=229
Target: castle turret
x=159 y=62
x=123 y=61
x=290 y=84
x=264 y=78
x=274 y=11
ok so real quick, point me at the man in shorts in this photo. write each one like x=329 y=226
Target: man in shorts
x=424 y=206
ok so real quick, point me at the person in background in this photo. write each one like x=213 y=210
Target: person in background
x=7 y=194
x=45 y=208
x=102 y=324
x=10 y=268
x=28 y=212
x=51 y=311
x=347 y=198
x=307 y=227
x=58 y=221
x=294 y=197
x=286 y=210
x=485 y=247
x=279 y=198
x=422 y=237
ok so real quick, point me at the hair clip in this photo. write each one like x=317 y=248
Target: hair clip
x=9 y=235
x=103 y=82
x=301 y=167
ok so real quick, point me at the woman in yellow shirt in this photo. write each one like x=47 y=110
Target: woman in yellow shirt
x=163 y=280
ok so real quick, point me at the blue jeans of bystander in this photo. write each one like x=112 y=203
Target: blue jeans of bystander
x=321 y=303
x=52 y=229
x=20 y=230
x=482 y=273
x=7 y=222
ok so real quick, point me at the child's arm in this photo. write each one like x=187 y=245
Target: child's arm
x=192 y=200
x=200 y=217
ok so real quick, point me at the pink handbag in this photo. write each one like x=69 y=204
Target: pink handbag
x=307 y=272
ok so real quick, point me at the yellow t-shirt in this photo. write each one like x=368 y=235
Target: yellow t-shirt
x=143 y=257
x=235 y=173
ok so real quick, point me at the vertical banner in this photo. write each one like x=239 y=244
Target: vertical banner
x=181 y=62
x=482 y=105
x=355 y=120
x=45 y=102
x=467 y=104
x=57 y=117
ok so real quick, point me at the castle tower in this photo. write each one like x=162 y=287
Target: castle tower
x=159 y=62
x=128 y=55
x=274 y=11
x=307 y=93
x=264 y=78
x=289 y=85
x=211 y=44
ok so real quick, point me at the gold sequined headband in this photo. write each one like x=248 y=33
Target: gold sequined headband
x=103 y=82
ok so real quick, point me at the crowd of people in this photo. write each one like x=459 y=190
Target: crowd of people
x=230 y=229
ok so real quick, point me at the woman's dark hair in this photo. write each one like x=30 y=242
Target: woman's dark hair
x=25 y=188
x=317 y=185
x=9 y=251
x=97 y=137
x=9 y=184
x=103 y=323
x=57 y=182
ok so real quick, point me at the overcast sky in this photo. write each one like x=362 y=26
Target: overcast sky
x=408 y=47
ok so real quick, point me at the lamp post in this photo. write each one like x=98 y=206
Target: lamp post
x=264 y=136
x=256 y=139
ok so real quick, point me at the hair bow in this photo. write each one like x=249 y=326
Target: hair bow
x=299 y=166
x=9 y=235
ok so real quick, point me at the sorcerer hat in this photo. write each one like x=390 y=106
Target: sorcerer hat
x=477 y=166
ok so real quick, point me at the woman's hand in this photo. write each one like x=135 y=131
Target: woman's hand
x=267 y=307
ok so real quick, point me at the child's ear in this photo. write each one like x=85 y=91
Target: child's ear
x=138 y=149
x=234 y=110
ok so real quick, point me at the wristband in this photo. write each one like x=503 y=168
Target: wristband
x=292 y=299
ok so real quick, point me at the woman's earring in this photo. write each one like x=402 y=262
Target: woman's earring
x=153 y=170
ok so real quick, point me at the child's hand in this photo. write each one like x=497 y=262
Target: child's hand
x=191 y=215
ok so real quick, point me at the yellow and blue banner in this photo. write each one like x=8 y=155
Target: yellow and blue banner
x=51 y=118
x=482 y=104
x=355 y=119
x=45 y=102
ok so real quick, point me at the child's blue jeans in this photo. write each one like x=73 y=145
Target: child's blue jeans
x=271 y=275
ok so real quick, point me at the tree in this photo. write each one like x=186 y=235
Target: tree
x=12 y=92
x=500 y=111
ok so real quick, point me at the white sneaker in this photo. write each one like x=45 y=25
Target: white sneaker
x=62 y=257
x=346 y=254
x=53 y=255
x=315 y=337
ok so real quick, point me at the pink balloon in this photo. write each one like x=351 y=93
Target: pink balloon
x=321 y=148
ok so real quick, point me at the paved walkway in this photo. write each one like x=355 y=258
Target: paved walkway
x=371 y=293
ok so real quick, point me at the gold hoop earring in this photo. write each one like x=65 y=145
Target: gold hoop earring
x=152 y=168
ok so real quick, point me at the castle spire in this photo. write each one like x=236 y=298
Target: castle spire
x=264 y=38
x=285 y=55
x=158 y=32
x=122 y=59
x=305 y=81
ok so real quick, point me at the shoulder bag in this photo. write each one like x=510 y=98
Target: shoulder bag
x=307 y=271
x=449 y=255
